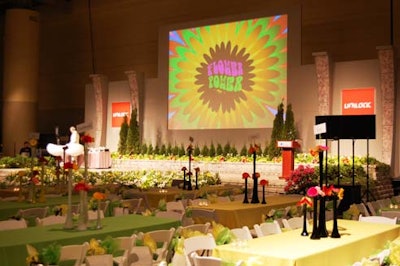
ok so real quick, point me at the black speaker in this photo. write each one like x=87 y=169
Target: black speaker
x=347 y=126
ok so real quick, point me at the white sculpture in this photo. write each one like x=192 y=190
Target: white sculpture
x=73 y=147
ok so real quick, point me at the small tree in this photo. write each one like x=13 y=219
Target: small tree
x=123 y=134
x=205 y=151
x=212 y=150
x=133 y=137
x=290 y=131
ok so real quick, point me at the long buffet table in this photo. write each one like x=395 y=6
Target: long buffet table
x=13 y=242
x=358 y=240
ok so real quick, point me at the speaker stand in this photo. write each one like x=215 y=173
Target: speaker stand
x=367 y=192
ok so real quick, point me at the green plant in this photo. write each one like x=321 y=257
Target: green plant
x=50 y=255
x=123 y=134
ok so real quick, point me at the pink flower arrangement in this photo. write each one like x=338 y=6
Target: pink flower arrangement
x=300 y=179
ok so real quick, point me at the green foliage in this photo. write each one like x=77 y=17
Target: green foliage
x=219 y=150
x=196 y=151
x=169 y=149
x=143 y=149
x=156 y=150
x=123 y=135
x=227 y=149
x=163 y=150
x=244 y=151
x=289 y=129
x=212 y=151
x=233 y=151
x=50 y=255
x=175 y=150
x=150 y=149
x=182 y=150
x=133 y=137
x=205 y=151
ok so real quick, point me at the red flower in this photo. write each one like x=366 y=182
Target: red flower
x=254 y=149
x=305 y=200
x=68 y=165
x=87 y=139
x=263 y=182
x=245 y=175
x=81 y=186
x=197 y=169
x=35 y=180
x=184 y=168
x=317 y=149
x=190 y=173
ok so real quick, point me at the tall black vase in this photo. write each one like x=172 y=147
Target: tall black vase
x=322 y=219
x=335 y=230
x=245 y=200
x=184 y=180
x=315 y=233
x=264 y=201
x=304 y=232
x=254 y=197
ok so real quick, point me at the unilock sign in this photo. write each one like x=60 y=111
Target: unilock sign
x=359 y=101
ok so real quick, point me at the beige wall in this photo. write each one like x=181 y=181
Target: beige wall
x=127 y=35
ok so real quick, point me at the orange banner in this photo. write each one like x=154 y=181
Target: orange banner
x=119 y=111
x=358 y=101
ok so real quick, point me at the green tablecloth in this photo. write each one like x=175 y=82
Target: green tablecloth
x=10 y=208
x=13 y=242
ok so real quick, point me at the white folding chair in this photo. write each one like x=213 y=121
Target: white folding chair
x=267 y=228
x=202 y=228
x=99 y=260
x=125 y=244
x=33 y=212
x=377 y=219
x=294 y=222
x=129 y=206
x=74 y=252
x=205 y=260
x=163 y=239
x=52 y=219
x=170 y=214
x=242 y=233
x=176 y=206
x=198 y=244
x=13 y=224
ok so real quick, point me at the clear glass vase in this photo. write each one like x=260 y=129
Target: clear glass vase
x=83 y=211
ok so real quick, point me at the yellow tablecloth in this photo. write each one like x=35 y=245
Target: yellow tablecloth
x=237 y=214
x=358 y=240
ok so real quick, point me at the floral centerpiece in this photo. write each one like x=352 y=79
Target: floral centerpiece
x=263 y=183
x=253 y=151
x=245 y=176
x=325 y=193
x=98 y=197
x=49 y=255
x=82 y=188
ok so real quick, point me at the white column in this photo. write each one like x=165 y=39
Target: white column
x=322 y=68
x=100 y=88
x=386 y=63
x=134 y=91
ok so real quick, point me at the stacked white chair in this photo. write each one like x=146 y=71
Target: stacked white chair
x=267 y=228
x=377 y=219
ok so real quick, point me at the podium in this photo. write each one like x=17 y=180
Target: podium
x=288 y=147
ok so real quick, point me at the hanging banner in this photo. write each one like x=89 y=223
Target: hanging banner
x=358 y=101
x=119 y=111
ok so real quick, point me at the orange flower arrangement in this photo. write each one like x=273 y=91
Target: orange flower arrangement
x=99 y=196
x=315 y=151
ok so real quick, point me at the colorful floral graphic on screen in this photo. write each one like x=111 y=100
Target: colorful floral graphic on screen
x=230 y=75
